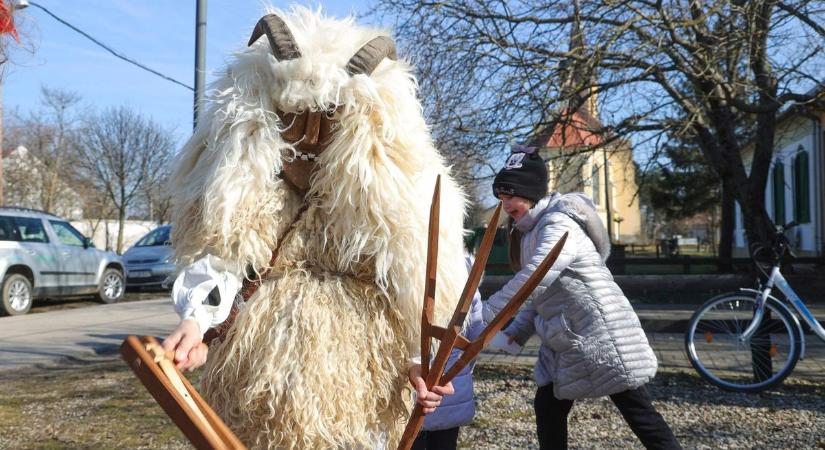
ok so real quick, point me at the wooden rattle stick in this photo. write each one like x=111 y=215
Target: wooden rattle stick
x=480 y=343
x=449 y=337
x=429 y=279
x=471 y=349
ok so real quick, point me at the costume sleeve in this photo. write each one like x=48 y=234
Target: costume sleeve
x=204 y=292
x=548 y=235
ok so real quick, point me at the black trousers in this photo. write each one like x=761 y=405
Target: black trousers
x=436 y=440
x=635 y=406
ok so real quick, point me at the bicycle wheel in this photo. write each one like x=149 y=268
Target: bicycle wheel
x=715 y=350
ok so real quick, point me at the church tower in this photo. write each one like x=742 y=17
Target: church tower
x=578 y=157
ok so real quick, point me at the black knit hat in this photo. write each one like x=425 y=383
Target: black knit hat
x=524 y=175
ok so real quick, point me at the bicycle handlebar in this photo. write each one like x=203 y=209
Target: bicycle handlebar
x=780 y=246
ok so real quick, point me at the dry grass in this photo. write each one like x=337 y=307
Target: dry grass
x=101 y=405
x=98 y=405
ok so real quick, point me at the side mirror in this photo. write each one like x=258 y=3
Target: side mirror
x=87 y=242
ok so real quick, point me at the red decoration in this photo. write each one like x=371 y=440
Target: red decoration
x=7 y=22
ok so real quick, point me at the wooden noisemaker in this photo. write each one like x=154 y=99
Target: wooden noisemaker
x=449 y=337
x=181 y=402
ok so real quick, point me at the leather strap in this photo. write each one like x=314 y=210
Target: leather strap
x=250 y=285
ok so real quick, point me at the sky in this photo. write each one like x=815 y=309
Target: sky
x=157 y=33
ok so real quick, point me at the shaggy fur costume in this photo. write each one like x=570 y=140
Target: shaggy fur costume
x=318 y=357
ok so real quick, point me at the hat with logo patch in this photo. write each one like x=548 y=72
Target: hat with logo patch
x=524 y=175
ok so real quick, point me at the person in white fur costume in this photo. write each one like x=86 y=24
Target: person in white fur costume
x=310 y=179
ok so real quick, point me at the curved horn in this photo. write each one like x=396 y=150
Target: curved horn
x=280 y=38
x=372 y=53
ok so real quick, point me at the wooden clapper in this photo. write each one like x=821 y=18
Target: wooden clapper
x=187 y=409
x=450 y=337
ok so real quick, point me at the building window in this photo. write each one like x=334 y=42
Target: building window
x=595 y=183
x=779 y=193
x=801 y=198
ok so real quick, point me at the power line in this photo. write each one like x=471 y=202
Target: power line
x=110 y=50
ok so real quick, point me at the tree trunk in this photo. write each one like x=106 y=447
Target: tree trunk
x=121 y=219
x=726 y=229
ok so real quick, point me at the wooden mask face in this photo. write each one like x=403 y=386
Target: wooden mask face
x=310 y=133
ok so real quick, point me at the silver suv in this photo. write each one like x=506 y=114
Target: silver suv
x=42 y=255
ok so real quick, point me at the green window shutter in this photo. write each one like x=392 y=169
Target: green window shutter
x=779 y=193
x=801 y=199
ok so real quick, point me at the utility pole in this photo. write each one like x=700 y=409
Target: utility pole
x=200 y=56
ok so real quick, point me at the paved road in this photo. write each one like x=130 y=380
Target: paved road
x=91 y=331
x=80 y=333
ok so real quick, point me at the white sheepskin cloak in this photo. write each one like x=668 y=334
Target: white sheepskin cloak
x=318 y=357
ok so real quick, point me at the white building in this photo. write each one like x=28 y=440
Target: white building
x=27 y=184
x=795 y=183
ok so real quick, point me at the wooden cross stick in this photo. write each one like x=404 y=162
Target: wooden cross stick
x=184 y=405
x=450 y=337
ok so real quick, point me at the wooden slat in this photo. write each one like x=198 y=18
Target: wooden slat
x=506 y=313
x=211 y=434
x=430 y=273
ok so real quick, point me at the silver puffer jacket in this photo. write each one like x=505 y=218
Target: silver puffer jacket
x=592 y=342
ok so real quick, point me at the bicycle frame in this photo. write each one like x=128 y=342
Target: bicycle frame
x=776 y=279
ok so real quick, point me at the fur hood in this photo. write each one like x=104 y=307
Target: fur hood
x=228 y=200
x=578 y=207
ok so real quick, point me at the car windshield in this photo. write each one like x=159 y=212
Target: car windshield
x=158 y=236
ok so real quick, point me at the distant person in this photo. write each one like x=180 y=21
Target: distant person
x=592 y=344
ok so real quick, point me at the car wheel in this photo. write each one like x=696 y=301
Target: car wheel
x=111 y=286
x=17 y=295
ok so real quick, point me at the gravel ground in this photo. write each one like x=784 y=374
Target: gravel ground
x=701 y=416
x=101 y=405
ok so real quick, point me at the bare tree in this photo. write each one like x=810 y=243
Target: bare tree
x=501 y=70
x=21 y=36
x=156 y=202
x=122 y=153
x=41 y=176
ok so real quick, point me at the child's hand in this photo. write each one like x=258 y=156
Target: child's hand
x=185 y=342
x=428 y=399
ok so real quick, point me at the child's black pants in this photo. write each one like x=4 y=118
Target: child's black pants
x=635 y=406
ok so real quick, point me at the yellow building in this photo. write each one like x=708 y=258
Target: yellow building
x=579 y=160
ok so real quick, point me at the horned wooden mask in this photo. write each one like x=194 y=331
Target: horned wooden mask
x=310 y=131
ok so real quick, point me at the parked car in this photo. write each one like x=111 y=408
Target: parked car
x=43 y=256
x=150 y=261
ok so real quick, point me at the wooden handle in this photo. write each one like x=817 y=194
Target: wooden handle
x=413 y=427
x=194 y=417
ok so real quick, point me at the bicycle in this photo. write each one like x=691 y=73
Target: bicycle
x=750 y=341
